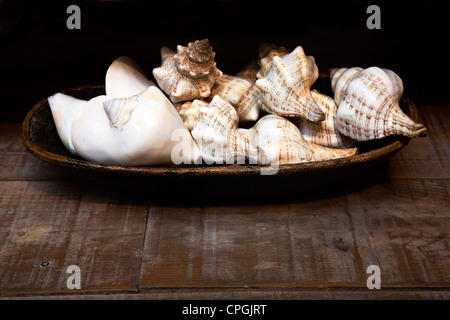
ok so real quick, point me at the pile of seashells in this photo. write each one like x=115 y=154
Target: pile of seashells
x=134 y=123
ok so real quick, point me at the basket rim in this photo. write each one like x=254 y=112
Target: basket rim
x=205 y=170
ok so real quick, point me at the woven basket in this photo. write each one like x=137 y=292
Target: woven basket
x=41 y=140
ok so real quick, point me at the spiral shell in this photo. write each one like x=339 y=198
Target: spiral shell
x=189 y=73
x=188 y=110
x=286 y=88
x=215 y=131
x=241 y=93
x=283 y=143
x=340 y=78
x=324 y=133
x=266 y=56
x=272 y=139
x=369 y=106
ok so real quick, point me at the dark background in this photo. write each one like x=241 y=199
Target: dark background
x=40 y=56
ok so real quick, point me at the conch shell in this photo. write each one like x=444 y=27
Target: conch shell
x=241 y=93
x=65 y=109
x=189 y=73
x=340 y=78
x=266 y=54
x=125 y=78
x=369 y=106
x=272 y=139
x=324 y=133
x=188 y=111
x=285 y=90
x=130 y=131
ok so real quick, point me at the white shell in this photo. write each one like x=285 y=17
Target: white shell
x=125 y=78
x=214 y=124
x=64 y=110
x=283 y=143
x=266 y=55
x=340 y=78
x=285 y=90
x=369 y=106
x=143 y=129
x=188 y=110
x=273 y=139
x=324 y=133
x=241 y=93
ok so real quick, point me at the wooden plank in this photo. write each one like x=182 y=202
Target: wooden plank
x=403 y=228
x=19 y=165
x=58 y=224
x=427 y=157
x=318 y=243
x=254 y=294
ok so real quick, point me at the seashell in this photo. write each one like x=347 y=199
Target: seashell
x=189 y=73
x=215 y=132
x=188 y=110
x=324 y=133
x=340 y=78
x=127 y=131
x=369 y=106
x=272 y=139
x=125 y=78
x=283 y=143
x=241 y=93
x=265 y=48
x=64 y=110
x=285 y=90
x=266 y=55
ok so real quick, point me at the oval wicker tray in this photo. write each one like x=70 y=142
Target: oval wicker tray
x=41 y=140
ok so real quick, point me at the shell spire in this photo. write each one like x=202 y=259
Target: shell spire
x=286 y=88
x=189 y=73
x=266 y=54
x=369 y=106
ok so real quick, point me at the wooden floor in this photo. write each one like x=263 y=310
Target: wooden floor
x=134 y=247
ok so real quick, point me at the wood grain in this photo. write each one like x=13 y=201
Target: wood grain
x=53 y=225
x=327 y=242
x=254 y=294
